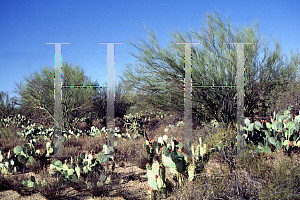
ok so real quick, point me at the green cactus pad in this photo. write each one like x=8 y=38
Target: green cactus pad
x=107 y=180
x=30 y=184
x=174 y=157
x=50 y=150
x=150 y=174
x=148 y=149
x=82 y=155
x=116 y=143
x=31 y=159
x=160 y=140
x=180 y=166
x=147 y=142
x=167 y=161
x=65 y=167
x=73 y=178
x=21 y=158
x=58 y=163
x=154 y=145
x=165 y=151
x=32 y=179
x=77 y=170
x=160 y=183
x=85 y=163
x=162 y=172
x=48 y=145
x=99 y=184
x=17 y=150
x=70 y=171
x=155 y=168
x=66 y=174
x=102 y=178
x=85 y=169
x=148 y=167
x=102 y=158
x=165 y=138
x=79 y=161
x=152 y=183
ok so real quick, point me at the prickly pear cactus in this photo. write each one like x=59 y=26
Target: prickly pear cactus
x=172 y=156
x=282 y=132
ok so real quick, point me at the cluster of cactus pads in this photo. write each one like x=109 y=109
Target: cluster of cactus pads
x=16 y=121
x=85 y=164
x=7 y=163
x=69 y=172
x=283 y=131
x=171 y=155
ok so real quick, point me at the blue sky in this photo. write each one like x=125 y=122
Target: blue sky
x=26 y=27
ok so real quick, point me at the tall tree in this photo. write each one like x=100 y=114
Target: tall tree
x=37 y=96
x=38 y=93
x=161 y=70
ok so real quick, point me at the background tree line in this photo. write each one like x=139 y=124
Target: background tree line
x=160 y=71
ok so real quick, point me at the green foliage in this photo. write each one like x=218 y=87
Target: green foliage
x=160 y=71
x=282 y=133
x=7 y=108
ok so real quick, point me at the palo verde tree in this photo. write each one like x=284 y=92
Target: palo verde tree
x=38 y=93
x=160 y=71
x=37 y=96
